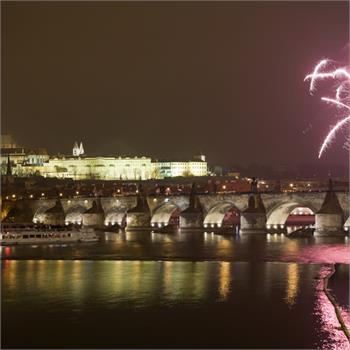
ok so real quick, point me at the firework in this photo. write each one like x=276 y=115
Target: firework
x=341 y=98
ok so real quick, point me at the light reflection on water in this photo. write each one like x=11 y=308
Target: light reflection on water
x=292 y=284
x=193 y=273
x=193 y=246
x=264 y=295
x=141 y=280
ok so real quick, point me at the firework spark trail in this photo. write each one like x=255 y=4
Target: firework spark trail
x=313 y=76
x=339 y=75
x=341 y=89
x=331 y=135
x=336 y=102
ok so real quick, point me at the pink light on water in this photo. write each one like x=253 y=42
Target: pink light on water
x=324 y=309
x=320 y=254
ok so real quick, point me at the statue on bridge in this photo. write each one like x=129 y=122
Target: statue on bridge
x=254 y=185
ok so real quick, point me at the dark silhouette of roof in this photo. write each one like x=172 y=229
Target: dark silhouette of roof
x=141 y=202
x=195 y=206
x=96 y=207
x=57 y=208
x=331 y=203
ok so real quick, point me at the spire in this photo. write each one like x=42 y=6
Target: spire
x=141 y=201
x=331 y=203
x=57 y=208
x=81 y=149
x=75 y=149
x=254 y=185
x=96 y=207
x=330 y=185
x=194 y=205
x=8 y=168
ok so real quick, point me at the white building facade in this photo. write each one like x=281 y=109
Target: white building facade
x=118 y=168
x=78 y=166
x=104 y=168
x=186 y=168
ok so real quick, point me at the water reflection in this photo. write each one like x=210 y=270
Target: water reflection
x=224 y=280
x=292 y=284
x=194 y=245
x=275 y=238
x=128 y=294
x=143 y=282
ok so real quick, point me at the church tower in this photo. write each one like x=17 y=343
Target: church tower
x=76 y=149
x=81 y=149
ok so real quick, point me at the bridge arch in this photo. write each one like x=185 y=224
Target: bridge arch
x=347 y=224
x=116 y=216
x=75 y=214
x=221 y=214
x=278 y=215
x=165 y=214
x=40 y=214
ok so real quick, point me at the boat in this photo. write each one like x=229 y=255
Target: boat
x=30 y=235
x=304 y=232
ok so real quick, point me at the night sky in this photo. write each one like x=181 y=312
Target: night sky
x=172 y=79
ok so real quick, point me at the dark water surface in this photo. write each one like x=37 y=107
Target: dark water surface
x=191 y=246
x=234 y=293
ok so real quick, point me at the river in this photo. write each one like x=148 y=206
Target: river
x=182 y=290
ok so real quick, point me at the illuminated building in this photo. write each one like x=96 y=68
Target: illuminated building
x=180 y=168
x=105 y=168
x=79 y=166
x=24 y=161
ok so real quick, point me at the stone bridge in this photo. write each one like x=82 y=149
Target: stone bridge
x=159 y=210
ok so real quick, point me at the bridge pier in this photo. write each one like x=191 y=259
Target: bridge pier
x=192 y=217
x=190 y=220
x=329 y=220
x=253 y=219
x=139 y=217
x=94 y=217
x=252 y=223
x=55 y=215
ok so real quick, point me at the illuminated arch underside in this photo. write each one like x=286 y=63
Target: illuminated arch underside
x=75 y=214
x=116 y=215
x=347 y=222
x=164 y=213
x=217 y=213
x=39 y=215
x=279 y=215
